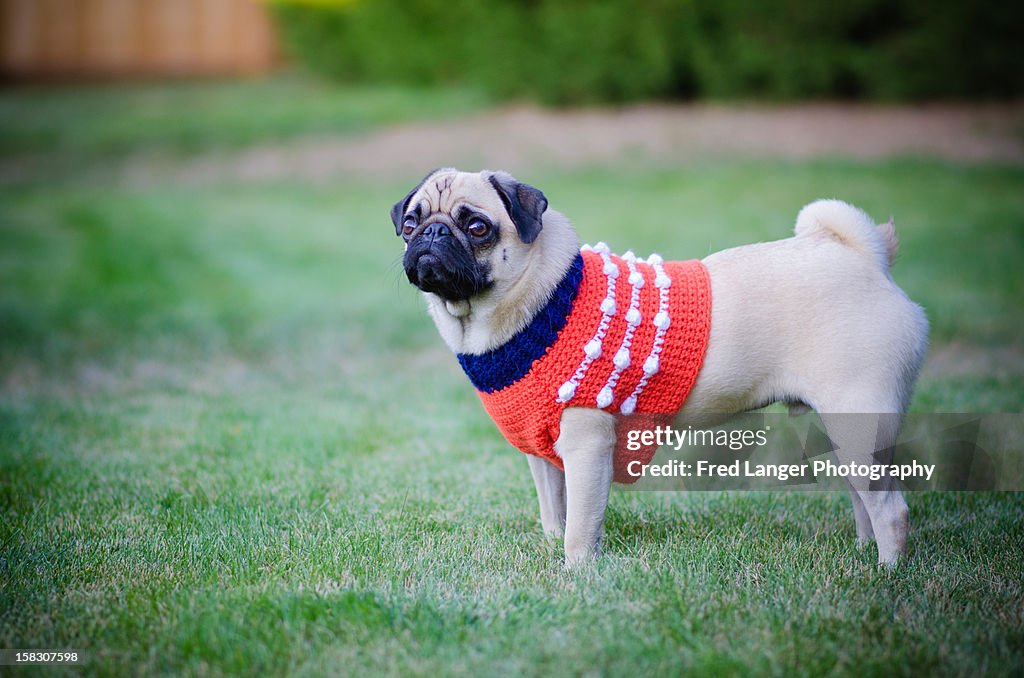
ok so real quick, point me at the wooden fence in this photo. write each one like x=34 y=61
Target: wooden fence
x=114 y=38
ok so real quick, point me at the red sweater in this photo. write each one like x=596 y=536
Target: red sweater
x=620 y=334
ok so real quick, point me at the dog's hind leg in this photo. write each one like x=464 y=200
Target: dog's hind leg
x=864 y=434
x=550 y=482
x=865 y=534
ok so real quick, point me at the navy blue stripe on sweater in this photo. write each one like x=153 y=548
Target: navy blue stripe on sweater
x=510 y=362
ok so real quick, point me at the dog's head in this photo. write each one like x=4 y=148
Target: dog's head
x=467 y=232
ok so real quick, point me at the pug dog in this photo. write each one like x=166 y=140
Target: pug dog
x=562 y=341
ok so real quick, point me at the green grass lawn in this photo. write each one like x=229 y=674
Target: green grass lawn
x=189 y=116
x=231 y=442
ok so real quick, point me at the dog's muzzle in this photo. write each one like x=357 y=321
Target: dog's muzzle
x=437 y=262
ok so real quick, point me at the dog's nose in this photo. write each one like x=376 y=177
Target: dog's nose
x=437 y=230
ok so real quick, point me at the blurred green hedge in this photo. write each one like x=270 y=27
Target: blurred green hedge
x=578 y=51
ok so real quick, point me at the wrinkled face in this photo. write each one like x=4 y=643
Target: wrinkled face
x=465 y=232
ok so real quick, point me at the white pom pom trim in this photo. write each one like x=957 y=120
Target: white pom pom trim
x=622 y=358
x=661 y=322
x=592 y=349
x=628 y=405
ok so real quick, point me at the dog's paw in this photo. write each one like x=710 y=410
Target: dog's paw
x=580 y=563
x=889 y=557
x=581 y=555
x=554 y=532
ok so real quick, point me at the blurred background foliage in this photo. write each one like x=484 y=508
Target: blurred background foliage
x=576 y=51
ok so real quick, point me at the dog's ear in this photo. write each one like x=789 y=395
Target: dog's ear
x=524 y=204
x=398 y=211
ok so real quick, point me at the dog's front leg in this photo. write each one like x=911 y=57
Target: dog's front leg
x=586 y=444
x=550 y=482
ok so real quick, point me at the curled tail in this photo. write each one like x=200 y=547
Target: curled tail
x=852 y=227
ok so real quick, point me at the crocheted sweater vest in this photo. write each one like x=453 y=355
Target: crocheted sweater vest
x=622 y=334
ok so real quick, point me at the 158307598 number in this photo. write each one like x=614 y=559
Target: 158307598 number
x=15 y=657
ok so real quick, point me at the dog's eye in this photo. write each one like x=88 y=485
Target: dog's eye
x=478 y=228
x=409 y=225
